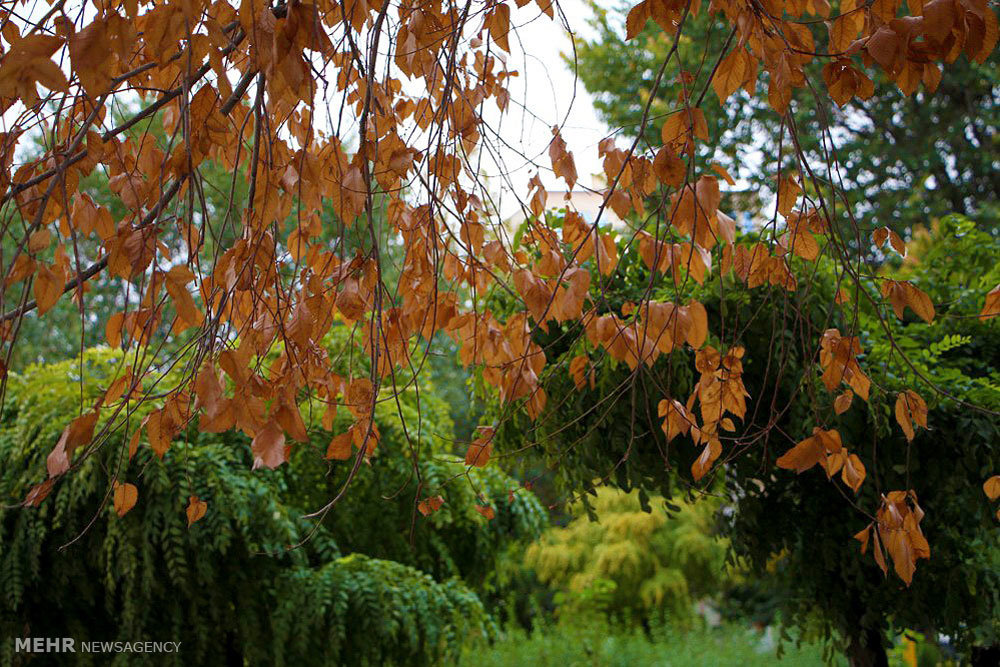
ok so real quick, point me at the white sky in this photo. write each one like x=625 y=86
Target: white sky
x=546 y=86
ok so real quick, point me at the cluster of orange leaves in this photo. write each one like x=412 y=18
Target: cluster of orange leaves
x=720 y=392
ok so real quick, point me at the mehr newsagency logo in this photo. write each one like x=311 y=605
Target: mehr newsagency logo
x=70 y=645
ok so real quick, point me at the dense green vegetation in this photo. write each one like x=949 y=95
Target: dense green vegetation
x=793 y=531
x=355 y=589
x=636 y=567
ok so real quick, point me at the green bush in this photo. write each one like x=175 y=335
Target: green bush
x=632 y=565
x=229 y=587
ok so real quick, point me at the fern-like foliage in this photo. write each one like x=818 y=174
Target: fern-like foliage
x=229 y=587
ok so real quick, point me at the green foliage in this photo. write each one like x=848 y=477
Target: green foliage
x=632 y=564
x=413 y=460
x=383 y=613
x=229 y=587
x=613 y=432
x=957 y=591
x=580 y=644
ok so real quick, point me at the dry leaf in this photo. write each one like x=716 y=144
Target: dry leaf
x=196 y=509
x=125 y=497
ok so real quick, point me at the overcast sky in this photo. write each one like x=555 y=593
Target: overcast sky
x=547 y=88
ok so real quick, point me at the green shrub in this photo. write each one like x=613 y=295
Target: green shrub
x=229 y=587
x=632 y=564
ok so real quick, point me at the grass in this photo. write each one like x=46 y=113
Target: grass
x=566 y=646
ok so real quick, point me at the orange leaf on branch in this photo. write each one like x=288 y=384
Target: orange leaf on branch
x=911 y=410
x=195 y=510
x=991 y=487
x=428 y=506
x=125 y=497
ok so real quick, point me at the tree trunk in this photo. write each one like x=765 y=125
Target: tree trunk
x=866 y=649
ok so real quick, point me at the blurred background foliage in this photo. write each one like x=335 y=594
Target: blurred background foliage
x=633 y=566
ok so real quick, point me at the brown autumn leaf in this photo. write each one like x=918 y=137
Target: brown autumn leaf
x=133 y=443
x=802 y=456
x=339 y=448
x=724 y=173
x=709 y=454
x=498 y=23
x=911 y=411
x=196 y=509
x=113 y=330
x=359 y=397
x=880 y=235
x=289 y=418
x=807 y=453
x=846 y=26
x=669 y=168
x=843 y=402
x=578 y=370
x=125 y=497
x=486 y=511
x=902 y=294
x=676 y=420
x=863 y=537
x=39 y=240
x=732 y=72
x=879 y=552
x=38 y=493
x=160 y=429
x=899 y=520
x=991 y=487
x=478 y=454
x=428 y=506
x=268 y=446
x=853 y=472
x=788 y=193
x=117 y=388
x=49 y=283
x=79 y=432
x=991 y=307
x=636 y=19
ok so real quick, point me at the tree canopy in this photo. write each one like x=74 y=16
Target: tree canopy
x=799 y=522
x=353 y=137
x=633 y=563
x=907 y=158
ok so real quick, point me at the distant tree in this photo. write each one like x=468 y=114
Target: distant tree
x=904 y=159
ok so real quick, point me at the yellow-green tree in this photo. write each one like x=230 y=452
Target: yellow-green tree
x=632 y=563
